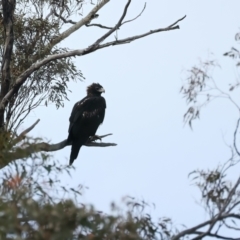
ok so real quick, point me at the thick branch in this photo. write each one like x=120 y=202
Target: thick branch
x=80 y=52
x=20 y=153
x=74 y=28
x=191 y=230
x=194 y=230
x=215 y=236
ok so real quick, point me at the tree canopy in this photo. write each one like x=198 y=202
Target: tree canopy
x=36 y=70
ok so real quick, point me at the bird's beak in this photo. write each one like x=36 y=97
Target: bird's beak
x=101 y=90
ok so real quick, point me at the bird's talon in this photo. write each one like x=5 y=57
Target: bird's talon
x=95 y=138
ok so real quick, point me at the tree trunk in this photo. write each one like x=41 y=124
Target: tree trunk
x=8 y=7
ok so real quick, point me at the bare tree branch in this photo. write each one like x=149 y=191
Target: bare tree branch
x=191 y=230
x=32 y=148
x=97 y=25
x=230 y=195
x=81 y=23
x=137 y=15
x=101 y=39
x=179 y=20
x=194 y=230
x=219 y=215
x=105 y=27
x=80 y=52
x=211 y=223
x=133 y=38
x=235 y=138
x=73 y=28
x=215 y=236
x=63 y=19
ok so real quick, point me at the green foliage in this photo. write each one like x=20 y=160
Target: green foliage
x=49 y=85
x=34 y=205
x=215 y=186
x=200 y=88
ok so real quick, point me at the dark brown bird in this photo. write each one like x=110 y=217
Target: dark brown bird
x=85 y=118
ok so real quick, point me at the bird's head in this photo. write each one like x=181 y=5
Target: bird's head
x=95 y=90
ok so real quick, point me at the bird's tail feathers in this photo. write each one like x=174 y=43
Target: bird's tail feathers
x=74 y=151
x=69 y=139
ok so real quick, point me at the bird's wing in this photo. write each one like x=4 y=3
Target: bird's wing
x=85 y=109
x=77 y=111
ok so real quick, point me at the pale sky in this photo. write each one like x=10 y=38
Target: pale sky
x=155 y=151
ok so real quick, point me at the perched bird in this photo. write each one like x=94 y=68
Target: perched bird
x=85 y=118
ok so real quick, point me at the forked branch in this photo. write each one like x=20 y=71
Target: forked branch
x=76 y=26
x=106 y=35
x=110 y=28
x=24 y=133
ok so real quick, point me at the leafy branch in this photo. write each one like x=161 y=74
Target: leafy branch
x=26 y=149
x=80 y=52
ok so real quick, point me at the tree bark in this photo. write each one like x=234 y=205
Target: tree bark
x=8 y=7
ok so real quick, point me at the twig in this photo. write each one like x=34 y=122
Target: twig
x=226 y=95
x=130 y=39
x=191 y=230
x=106 y=135
x=235 y=138
x=233 y=206
x=23 y=134
x=97 y=25
x=101 y=39
x=176 y=22
x=230 y=226
x=137 y=15
x=230 y=195
x=63 y=19
x=105 y=27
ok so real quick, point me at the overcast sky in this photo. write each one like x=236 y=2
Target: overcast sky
x=155 y=152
